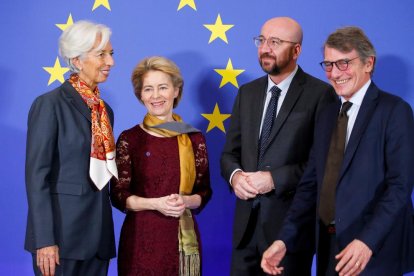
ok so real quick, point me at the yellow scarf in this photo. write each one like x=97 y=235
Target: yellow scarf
x=185 y=149
x=188 y=245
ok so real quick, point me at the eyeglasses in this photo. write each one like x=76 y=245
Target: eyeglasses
x=341 y=64
x=272 y=42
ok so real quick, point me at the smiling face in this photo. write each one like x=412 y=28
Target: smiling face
x=346 y=83
x=158 y=94
x=95 y=65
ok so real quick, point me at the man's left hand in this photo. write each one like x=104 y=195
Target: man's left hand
x=353 y=259
x=261 y=180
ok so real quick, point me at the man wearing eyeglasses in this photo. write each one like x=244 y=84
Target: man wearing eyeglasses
x=267 y=147
x=365 y=223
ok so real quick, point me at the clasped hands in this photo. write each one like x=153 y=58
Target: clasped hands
x=248 y=185
x=172 y=205
x=352 y=260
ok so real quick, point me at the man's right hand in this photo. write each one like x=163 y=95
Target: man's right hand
x=242 y=189
x=47 y=258
x=272 y=258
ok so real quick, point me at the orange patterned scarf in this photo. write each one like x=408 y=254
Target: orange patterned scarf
x=102 y=163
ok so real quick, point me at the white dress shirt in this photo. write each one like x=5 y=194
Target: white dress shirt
x=284 y=86
x=356 y=101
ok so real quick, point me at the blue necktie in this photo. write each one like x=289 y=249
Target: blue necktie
x=268 y=122
x=266 y=130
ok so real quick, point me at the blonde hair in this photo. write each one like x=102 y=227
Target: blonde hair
x=161 y=64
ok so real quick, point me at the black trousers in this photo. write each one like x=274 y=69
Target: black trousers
x=247 y=256
x=327 y=249
x=68 y=267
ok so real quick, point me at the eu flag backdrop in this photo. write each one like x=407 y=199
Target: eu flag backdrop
x=211 y=41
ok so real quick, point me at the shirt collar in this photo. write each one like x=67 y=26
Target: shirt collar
x=357 y=98
x=284 y=84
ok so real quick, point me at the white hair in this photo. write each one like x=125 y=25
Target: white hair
x=79 y=38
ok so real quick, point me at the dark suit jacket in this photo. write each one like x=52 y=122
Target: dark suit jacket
x=65 y=208
x=288 y=150
x=373 y=197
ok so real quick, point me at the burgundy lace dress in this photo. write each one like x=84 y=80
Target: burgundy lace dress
x=149 y=166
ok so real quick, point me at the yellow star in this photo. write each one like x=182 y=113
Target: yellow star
x=229 y=74
x=186 y=3
x=98 y=3
x=56 y=72
x=218 y=30
x=68 y=23
x=216 y=119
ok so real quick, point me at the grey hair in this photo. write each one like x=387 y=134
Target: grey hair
x=79 y=38
x=349 y=38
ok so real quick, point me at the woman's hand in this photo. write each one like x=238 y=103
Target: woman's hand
x=47 y=258
x=171 y=206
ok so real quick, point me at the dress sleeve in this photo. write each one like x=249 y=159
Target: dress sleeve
x=120 y=188
x=202 y=182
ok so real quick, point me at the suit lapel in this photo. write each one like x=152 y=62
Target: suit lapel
x=292 y=95
x=76 y=100
x=325 y=128
x=364 y=116
x=257 y=103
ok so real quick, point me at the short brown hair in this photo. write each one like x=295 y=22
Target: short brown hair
x=161 y=64
x=349 y=38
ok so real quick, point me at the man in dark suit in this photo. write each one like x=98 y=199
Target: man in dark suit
x=364 y=213
x=267 y=147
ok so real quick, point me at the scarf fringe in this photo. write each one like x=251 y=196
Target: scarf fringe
x=189 y=264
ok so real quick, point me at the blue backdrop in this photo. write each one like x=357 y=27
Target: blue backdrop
x=211 y=41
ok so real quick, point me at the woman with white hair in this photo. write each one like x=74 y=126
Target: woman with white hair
x=69 y=161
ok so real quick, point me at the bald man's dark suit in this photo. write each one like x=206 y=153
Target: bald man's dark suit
x=286 y=154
